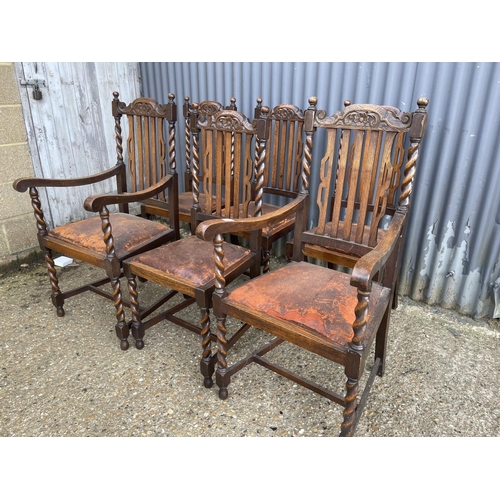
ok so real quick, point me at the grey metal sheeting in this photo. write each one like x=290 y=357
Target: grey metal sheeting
x=452 y=250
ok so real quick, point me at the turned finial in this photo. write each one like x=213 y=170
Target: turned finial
x=347 y=103
x=116 y=95
x=423 y=102
x=171 y=97
x=313 y=100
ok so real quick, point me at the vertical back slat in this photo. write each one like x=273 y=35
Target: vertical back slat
x=219 y=159
x=140 y=152
x=325 y=175
x=131 y=153
x=235 y=181
x=248 y=168
x=163 y=149
x=352 y=180
x=290 y=157
x=276 y=148
x=146 y=181
x=345 y=136
x=207 y=164
x=298 y=157
x=227 y=172
x=376 y=158
x=399 y=156
x=383 y=185
x=154 y=155
x=365 y=179
x=282 y=154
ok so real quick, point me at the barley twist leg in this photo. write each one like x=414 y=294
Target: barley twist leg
x=207 y=360
x=57 y=296
x=137 y=326
x=347 y=427
x=222 y=376
x=121 y=326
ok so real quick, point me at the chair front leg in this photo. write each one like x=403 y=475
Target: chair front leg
x=113 y=270
x=347 y=427
x=57 y=295
x=138 y=329
x=207 y=363
x=222 y=376
x=121 y=327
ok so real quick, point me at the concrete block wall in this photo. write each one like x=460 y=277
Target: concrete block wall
x=17 y=223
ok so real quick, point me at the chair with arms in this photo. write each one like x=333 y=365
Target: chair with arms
x=106 y=240
x=327 y=312
x=186 y=266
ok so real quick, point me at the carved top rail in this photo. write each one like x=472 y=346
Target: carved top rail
x=229 y=120
x=365 y=117
x=288 y=112
x=209 y=107
x=145 y=106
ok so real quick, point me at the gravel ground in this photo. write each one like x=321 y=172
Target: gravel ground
x=68 y=377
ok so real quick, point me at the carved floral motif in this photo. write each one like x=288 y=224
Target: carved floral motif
x=286 y=112
x=210 y=107
x=143 y=107
x=227 y=120
x=362 y=116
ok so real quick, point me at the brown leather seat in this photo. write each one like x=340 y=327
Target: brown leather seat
x=130 y=233
x=319 y=301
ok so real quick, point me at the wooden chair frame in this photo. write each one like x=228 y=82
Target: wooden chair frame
x=227 y=161
x=365 y=296
x=123 y=235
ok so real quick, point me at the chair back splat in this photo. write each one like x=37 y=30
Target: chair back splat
x=106 y=240
x=367 y=171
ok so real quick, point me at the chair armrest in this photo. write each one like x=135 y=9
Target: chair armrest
x=368 y=265
x=23 y=184
x=96 y=202
x=207 y=230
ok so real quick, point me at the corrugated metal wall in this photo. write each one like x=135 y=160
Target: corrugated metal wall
x=452 y=251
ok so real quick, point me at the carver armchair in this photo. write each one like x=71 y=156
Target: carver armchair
x=106 y=239
x=186 y=266
x=333 y=314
